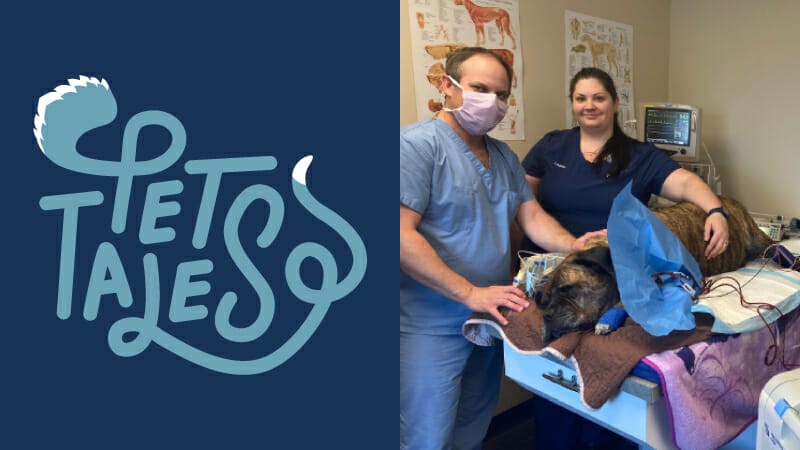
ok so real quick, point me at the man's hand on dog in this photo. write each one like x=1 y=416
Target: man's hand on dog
x=580 y=243
x=490 y=299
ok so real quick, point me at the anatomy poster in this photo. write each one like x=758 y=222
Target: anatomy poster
x=441 y=26
x=594 y=42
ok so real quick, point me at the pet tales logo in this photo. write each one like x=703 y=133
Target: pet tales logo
x=86 y=103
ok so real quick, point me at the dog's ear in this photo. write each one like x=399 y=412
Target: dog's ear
x=598 y=257
x=549 y=331
x=546 y=338
x=537 y=297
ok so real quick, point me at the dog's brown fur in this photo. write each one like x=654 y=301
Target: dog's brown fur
x=583 y=286
x=745 y=240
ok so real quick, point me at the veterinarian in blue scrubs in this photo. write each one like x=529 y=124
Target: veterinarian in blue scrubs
x=459 y=192
x=575 y=175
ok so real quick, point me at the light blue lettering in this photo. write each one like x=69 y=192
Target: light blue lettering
x=106 y=260
x=330 y=290
x=129 y=167
x=185 y=288
x=87 y=104
x=245 y=265
x=145 y=328
x=153 y=209
x=70 y=203
x=91 y=106
x=214 y=168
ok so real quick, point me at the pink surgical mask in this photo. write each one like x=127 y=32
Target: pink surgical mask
x=480 y=112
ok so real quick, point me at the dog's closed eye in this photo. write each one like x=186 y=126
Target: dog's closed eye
x=545 y=299
x=566 y=290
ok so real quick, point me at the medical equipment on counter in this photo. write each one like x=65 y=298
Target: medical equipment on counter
x=772 y=225
x=778 y=416
x=672 y=127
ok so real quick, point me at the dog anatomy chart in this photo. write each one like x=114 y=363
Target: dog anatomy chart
x=594 y=42
x=440 y=26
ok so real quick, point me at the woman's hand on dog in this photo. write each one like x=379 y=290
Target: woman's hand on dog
x=490 y=299
x=716 y=234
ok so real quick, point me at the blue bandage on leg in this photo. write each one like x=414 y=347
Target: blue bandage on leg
x=610 y=320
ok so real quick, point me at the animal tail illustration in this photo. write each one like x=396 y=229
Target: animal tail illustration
x=66 y=113
x=331 y=290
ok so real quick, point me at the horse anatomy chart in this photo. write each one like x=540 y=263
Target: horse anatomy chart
x=593 y=42
x=440 y=26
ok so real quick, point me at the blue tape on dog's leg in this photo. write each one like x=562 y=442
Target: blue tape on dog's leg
x=610 y=320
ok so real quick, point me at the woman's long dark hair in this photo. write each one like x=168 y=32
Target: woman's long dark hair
x=618 y=147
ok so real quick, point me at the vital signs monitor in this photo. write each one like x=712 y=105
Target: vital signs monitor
x=673 y=127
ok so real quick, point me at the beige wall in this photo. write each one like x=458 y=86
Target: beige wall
x=739 y=61
x=542 y=38
x=736 y=59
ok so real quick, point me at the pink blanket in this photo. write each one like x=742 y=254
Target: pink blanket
x=712 y=387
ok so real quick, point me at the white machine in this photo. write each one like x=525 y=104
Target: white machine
x=673 y=127
x=772 y=225
x=778 y=415
x=677 y=129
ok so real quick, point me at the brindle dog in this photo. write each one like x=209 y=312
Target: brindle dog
x=580 y=289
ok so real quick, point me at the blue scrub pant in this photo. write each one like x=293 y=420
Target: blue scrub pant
x=448 y=391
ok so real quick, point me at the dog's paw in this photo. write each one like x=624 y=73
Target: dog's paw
x=603 y=328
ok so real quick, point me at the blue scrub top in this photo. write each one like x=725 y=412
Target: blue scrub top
x=466 y=211
x=579 y=195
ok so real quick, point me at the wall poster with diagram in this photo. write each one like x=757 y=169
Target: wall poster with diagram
x=595 y=42
x=441 y=26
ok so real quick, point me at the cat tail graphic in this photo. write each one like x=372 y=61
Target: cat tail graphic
x=330 y=290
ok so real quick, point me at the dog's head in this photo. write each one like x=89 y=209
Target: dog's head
x=577 y=292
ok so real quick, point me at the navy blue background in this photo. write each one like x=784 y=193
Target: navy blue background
x=285 y=80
